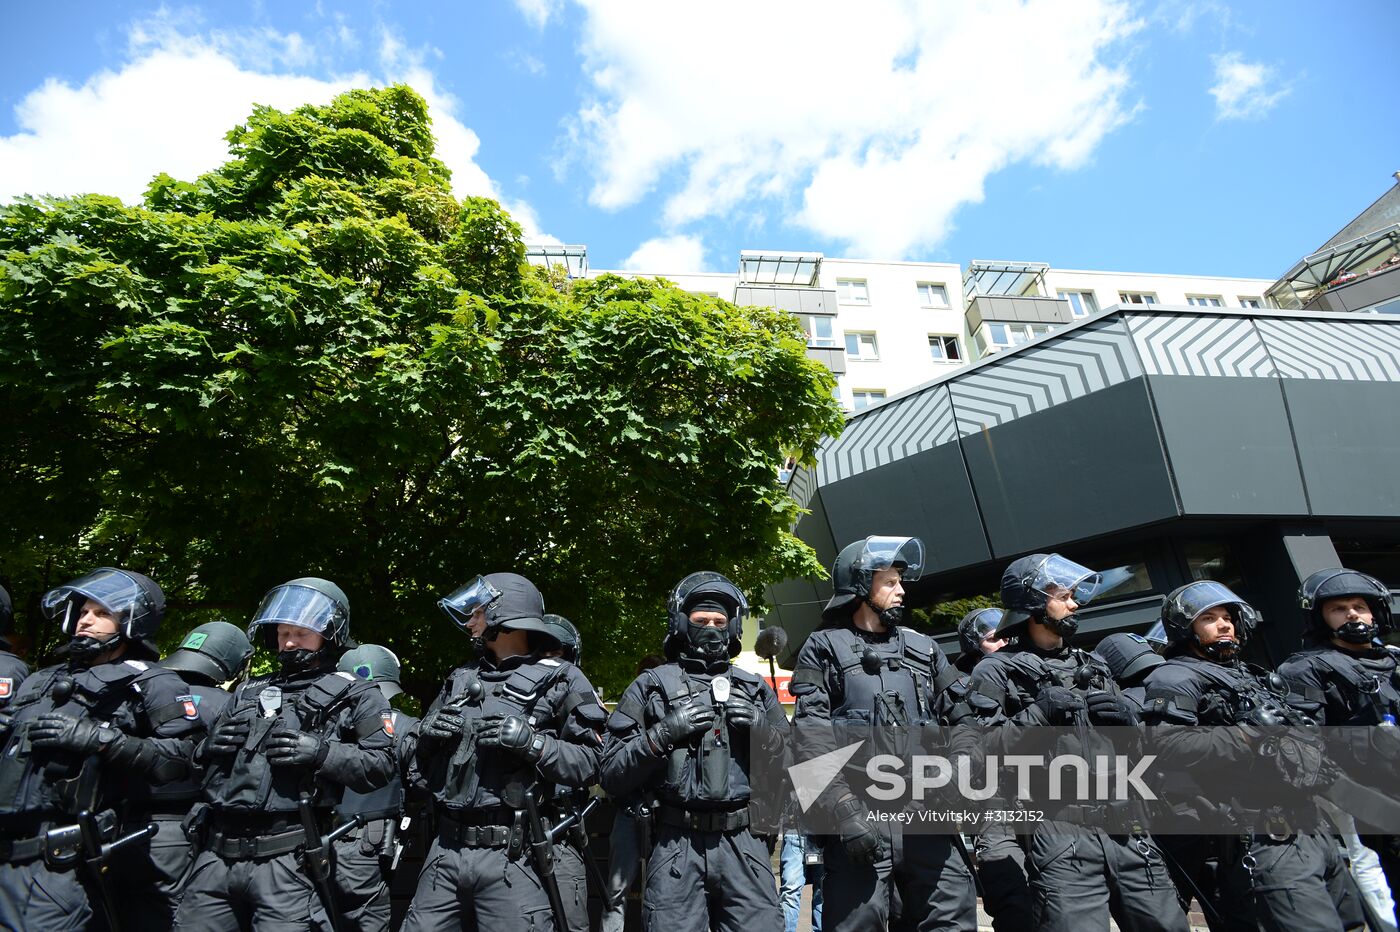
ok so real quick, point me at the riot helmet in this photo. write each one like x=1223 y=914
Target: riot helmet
x=1339 y=583
x=976 y=626
x=1129 y=656
x=318 y=605
x=705 y=591
x=853 y=573
x=567 y=635
x=136 y=603
x=216 y=651
x=377 y=664
x=465 y=600
x=1030 y=582
x=1185 y=604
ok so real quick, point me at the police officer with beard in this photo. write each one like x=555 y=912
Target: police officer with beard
x=863 y=668
x=507 y=727
x=686 y=732
x=12 y=669
x=364 y=857
x=94 y=733
x=1272 y=875
x=295 y=738
x=1079 y=873
x=1350 y=675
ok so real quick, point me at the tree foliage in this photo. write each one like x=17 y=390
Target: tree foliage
x=314 y=360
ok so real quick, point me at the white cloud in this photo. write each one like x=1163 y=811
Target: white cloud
x=668 y=254
x=1244 y=90
x=872 y=129
x=539 y=12
x=169 y=107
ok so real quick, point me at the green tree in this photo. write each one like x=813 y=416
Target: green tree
x=313 y=360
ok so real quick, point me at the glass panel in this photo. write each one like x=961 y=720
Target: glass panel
x=999 y=335
x=852 y=344
x=1212 y=559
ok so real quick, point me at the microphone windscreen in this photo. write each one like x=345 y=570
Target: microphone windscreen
x=771 y=642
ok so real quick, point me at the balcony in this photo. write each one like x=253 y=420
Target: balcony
x=1020 y=310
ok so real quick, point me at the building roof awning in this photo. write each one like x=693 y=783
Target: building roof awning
x=573 y=258
x=779 y=268
x=1299 y=283
x=1003 y=278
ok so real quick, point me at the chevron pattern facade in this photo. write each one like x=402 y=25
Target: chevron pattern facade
x=1197 y=344
x=1089 y=359
x=1333 y=350
x=890 y=432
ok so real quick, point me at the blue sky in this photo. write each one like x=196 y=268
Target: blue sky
x=1190 y=136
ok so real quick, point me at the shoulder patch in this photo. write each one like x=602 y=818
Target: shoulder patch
x=189 y=704
x=7 y=686
x=389 y=718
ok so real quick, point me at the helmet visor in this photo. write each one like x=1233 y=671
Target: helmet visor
x=882 y=553
x=1207 y=594
x=1058 y=577
x=1157 y=635
x=463 y=603
x=301 y=606
x=114 y=590
x=986 y=622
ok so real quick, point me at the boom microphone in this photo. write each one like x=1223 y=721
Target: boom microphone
x=771 y=642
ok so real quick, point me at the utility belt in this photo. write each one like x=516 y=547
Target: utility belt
x=57 y=842
x=701 y=820
x=253 y=847
x=1110 y=816
x=498 y=827
x=247 y=837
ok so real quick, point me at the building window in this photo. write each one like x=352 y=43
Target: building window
x=1002 y=336
x=1204 y=300
x=1136 y=297
x=1081 y=303
x=862 y=346
x=852 y=291
x=819 y=331
x=944 y=348
x=932 y=294
x=1246 y=301
x=865 y=397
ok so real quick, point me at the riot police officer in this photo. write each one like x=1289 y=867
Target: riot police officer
x=12 y=669
x=862 y=667
x=1271 y=874
x=1350 y=675
x=365 y=857
x=1079 y=873
x=506 y=728
x=1130 y=658
x=977 y=636
x=90 y=735
x=685 y=733
x=277 y=759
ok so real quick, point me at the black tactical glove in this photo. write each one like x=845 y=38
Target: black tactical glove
x=7 y=722
x=741 y=713
x=1107 y=709
x=1060 y=704
x=1303 y=764
x=287 y=748
x=227 y=738
x=511 y=733
x=863 y=844
x=57 y=731
x=441 y=725
x=681 y=724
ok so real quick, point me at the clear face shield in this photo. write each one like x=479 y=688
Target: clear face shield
x=114 y=590
x=1202 y=596
x=300 y=606
x=882 y=553
x=1059 y=578
x=986 y=622
x=463 y=603
x=1157 y=637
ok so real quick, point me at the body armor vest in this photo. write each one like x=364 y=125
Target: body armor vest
x=1358 y=689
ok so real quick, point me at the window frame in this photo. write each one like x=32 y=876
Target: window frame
x=1087 y=299
x=1205 y=300
x=869 y=395
x=956 y=358
x=841 y=298
x=860 y=342
x=1147 y=298
x=919 y=290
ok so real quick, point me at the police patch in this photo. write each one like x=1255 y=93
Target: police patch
x=388 y=723
x=7 y=686
x=364 y=671
x=195 y=641
x=191 y=706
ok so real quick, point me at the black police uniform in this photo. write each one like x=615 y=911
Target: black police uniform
x=364 y=857
x=1270 y=876
x=846 y=676
x=1080 y=875
x=13 y=672
x=707 y=870
x=248 y=873
x=43 y=789
x=478 y=873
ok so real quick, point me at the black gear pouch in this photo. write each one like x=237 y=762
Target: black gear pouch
x=712 y=764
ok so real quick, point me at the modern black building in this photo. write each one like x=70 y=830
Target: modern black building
x=1249 y=446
